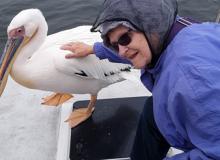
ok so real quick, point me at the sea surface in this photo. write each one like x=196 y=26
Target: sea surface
x=65 y=14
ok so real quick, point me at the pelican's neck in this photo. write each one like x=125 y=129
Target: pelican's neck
x=34 y=44
x=21 y=71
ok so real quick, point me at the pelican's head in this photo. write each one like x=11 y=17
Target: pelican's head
x=20 y=31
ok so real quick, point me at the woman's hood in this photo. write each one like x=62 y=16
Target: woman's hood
x=152 y=17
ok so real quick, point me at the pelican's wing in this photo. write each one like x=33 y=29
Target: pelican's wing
x=88 y=67
x=92 y=67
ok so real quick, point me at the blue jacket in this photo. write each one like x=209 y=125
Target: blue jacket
x=185 y=84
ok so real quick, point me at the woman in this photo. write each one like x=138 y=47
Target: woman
x=180 y=65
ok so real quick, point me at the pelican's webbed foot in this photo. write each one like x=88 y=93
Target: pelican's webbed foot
x=56 y=99
x=81 y=114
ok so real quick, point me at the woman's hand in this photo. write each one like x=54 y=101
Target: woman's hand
x=78 y=49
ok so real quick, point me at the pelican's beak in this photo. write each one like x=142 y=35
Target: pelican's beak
x=7 y=59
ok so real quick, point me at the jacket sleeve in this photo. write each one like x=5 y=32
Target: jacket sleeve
x=102 y=52
x=196 y=113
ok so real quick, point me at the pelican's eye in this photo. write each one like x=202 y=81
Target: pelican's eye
x=17 y=32
x=20 y=30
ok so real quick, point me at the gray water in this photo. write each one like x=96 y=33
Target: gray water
x=65 y=14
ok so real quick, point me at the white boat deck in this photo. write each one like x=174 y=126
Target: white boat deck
x=31 y=131
x=28 y=130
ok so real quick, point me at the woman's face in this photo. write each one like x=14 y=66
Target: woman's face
x=137 y=51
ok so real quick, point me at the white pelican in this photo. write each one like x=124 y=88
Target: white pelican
x=36 y=61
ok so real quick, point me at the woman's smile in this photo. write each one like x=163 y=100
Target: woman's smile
x=133 y=56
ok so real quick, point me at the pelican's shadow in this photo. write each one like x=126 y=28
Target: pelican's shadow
x=110 y=132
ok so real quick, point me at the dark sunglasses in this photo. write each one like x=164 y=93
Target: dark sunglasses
x=124 y=40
